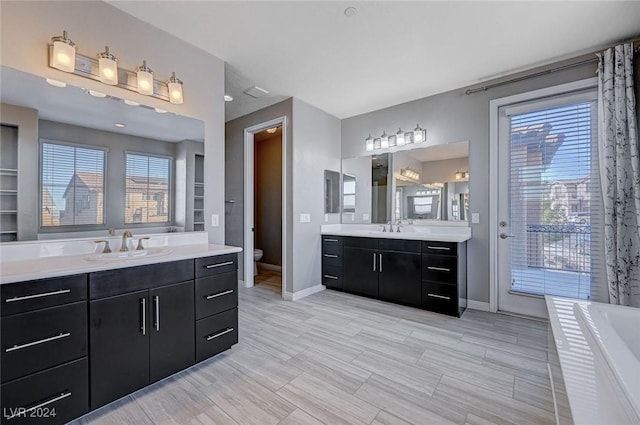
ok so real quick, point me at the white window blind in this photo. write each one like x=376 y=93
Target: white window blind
x=555 y=197
x=147 y=189
x=71 y=185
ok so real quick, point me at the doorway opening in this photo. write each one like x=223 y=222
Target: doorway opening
x=264 y=206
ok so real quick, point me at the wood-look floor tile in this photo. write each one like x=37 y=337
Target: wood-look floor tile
x=514 y=364
x=391 y=349
x=385 y=418
x=121 y=412
x=326 y=402
x=300 y=417
x=264 y=368
x=213 y=416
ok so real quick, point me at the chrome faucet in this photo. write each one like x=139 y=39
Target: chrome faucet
x=398 y=224
x=126 y=234
x=390 y=227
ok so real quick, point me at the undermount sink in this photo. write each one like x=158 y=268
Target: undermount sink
x=129 y=255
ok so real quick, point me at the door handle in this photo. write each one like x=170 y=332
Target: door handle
x=156 y=301
x=505 y=236
x=374 y=261
x=143 y=305
x=380 y=263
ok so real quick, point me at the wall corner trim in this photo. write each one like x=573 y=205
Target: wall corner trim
x=295 y=296
x=478 y=305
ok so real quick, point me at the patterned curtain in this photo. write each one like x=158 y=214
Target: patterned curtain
x=619 y=157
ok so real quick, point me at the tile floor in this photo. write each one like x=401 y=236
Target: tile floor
x=334 y=358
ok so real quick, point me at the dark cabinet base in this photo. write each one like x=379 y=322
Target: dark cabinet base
x=216 y=334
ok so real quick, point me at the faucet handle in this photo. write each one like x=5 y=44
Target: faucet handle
x=140 y=247
x=107 y=248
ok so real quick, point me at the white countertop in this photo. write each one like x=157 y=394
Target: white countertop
x=37 y=260
x=595 y=396
x=421 y=233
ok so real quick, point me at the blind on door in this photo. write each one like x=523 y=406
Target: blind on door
x=555 y=197
x=147 y=194
x=71 y=185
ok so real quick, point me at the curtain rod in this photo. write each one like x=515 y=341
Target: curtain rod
x=636 y=45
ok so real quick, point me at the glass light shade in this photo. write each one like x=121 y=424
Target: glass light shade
x=64 y=53
x=108 y=67
x=400 y=137
x=368 y=142
x=384 y=140
x=419 y=135
x=144 y=79
x=392 y=140
x=175 y=90
x=377 y=143
x=408 y=137
x=458 y=175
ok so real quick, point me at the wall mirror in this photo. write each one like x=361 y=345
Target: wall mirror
x=419 y=185
x=71 y=115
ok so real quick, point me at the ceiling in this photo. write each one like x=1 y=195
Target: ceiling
x=73 y=105
x=388 y=52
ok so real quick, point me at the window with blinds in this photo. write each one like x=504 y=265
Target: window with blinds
x=147 y=189
x=555 y=197
x=71 y=185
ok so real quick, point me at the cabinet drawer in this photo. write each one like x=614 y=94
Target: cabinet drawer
x=40 y=339
x=399 y=245
x=367 y=243
x=439 y=248
x=131 y=279
x=36 y=294
x=440 y=298
x=215 y=294
x=216 y=265
x=332 y=240
x=332 y=255
x=215 y=334
x=62 y=390
x=440 y=268
x=332 y=277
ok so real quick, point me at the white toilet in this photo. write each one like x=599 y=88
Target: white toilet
x=257 y=256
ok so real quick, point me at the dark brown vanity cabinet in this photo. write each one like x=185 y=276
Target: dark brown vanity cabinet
x=44 y=350
x=143 y=334
x=430 y=275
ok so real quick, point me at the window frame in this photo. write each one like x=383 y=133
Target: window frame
x=75 y=227
x=171 y=200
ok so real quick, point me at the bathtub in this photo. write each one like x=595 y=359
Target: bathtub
x=599 y=350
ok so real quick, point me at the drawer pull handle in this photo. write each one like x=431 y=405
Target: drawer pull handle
x=226 y=331
x=40 y=341
x=143 y=319
x=328 y=276
x=442 y=248
x=209 y=297
x=156 y=301
x=330 y=256
x=331 y=240
x=44 y=294
x=22 y=413
x=439 y=296
x=213 y=266
x=440 y=269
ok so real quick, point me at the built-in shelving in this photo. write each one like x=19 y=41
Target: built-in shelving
x=9 y=184
x=198 y=194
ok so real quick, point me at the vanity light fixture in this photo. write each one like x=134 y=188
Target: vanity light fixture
x=108 y=67
x=368 y=143
x=384 y=140
x=400 y=137
x=410 y=174
x=144 y=78
x=175 y=90
x=419 y=134
x=56 y=83
x=377 y=143
x=64 y=53
x=458 y=175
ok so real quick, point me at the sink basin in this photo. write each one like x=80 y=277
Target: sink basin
x=129 y=255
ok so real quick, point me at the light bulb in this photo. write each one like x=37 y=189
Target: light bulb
x=145 y=79
x=175 y=89
x=419 y=134
x=64 y=53
x=108 y=67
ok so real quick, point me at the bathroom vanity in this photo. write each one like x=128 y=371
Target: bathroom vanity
x=106 y=328
x=425 y=269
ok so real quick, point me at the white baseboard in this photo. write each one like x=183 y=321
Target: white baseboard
x=478 y=305
x=241 y=284
x=268 y=266
x=295 y=296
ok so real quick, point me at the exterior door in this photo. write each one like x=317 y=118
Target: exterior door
x=548 y=201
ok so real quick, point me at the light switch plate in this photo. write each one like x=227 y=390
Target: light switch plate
x=475 y=218
x=215 y=220
x=305 y=218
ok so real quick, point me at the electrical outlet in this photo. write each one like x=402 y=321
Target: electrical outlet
x=215 y=220
x=305 y=218
x=475 y=218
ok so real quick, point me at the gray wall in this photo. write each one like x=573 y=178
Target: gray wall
x=234 y=176
x=450 y=117
x=27 y=27
x=444 y=170
x=268 y=199
x=116 y=167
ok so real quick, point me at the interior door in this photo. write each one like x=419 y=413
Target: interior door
x=547 y=201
